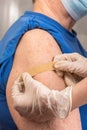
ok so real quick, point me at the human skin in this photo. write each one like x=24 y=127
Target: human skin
x=38 y=47
x=29 y=53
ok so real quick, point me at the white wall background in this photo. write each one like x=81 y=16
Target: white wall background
x=10 y=10
x=81 y=29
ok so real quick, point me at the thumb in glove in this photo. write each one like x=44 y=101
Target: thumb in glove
x=36 y=102
x=73 y=63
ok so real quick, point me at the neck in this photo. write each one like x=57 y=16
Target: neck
x=55 y=10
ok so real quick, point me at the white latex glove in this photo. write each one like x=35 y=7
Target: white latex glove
x=73 y=63
x=36 y=102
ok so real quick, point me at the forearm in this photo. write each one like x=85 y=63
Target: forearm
x=79 y=94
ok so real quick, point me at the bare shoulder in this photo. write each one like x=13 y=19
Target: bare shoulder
x=35 y=47
x=39 y=45
x=39 y=36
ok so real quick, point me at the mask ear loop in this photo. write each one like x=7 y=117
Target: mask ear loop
x=41 y=68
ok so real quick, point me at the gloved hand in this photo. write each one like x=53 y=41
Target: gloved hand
x=73 y=63
x=36 y=102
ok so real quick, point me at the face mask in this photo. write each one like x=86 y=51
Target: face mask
x=76 y=8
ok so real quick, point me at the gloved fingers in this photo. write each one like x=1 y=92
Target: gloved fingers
x=59 y=73
x=18 y=93
x=69 y=66
x=56 y=104
x=27 y=95
x=17 y=87
x=32 y=102
x=20 y=83
x=72 y=56
x=60 y=57
x=21 y=97
x=76 y=56
x=60 y=102
x=25 y=78
x=66 y=66
x=70 y=79
x=32 y=84
x=68 y=63
x=69 y=56
x=68 y=94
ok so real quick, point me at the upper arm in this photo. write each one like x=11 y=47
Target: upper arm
x=36 y=47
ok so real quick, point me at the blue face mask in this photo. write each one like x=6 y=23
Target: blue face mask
x=76 y=8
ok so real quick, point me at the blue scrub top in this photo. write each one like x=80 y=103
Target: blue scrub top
x=67 y=41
